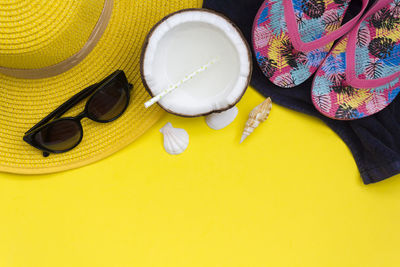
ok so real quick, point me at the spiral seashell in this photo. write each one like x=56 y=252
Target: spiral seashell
x=258 y=115
x=175 y=140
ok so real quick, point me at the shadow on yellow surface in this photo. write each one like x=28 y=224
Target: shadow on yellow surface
x=290 y=195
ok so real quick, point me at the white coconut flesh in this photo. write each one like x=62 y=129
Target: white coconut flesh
x=183 y=43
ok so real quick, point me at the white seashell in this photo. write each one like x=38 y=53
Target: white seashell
x=175 y=140
x=218 y=121
x=258 y=115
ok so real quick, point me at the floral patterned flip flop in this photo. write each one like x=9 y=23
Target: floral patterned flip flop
x=361 y=74
x=291 y=38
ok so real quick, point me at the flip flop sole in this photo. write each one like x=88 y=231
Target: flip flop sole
x=280 y=62
x=377 y=55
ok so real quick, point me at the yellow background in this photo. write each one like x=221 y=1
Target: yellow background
x=290 y=195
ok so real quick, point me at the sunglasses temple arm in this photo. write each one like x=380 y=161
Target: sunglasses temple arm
x=61 y=110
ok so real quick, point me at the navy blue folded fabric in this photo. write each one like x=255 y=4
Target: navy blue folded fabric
x=374 y=141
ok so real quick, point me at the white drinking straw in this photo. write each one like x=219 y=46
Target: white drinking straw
x=178 y=84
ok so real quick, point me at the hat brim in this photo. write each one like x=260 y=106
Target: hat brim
x=24 y=102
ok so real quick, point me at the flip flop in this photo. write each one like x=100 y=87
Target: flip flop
x=291 y=38
x=360 y=76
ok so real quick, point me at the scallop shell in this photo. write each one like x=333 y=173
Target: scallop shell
x=258 y=115
x=219 y=121
x=175 y=140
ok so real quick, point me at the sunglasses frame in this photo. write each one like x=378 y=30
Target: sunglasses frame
x=55 y=115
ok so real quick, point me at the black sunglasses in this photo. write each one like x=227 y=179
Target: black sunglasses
x=109 y=99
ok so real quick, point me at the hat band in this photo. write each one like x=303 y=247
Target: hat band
x=72 y=61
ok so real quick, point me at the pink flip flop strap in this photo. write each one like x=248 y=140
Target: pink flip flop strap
x=294 y=34
x=351 y=76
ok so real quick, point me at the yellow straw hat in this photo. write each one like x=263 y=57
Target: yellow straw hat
x=50 y=50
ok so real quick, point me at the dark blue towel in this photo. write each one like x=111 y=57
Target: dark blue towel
x=374 y=141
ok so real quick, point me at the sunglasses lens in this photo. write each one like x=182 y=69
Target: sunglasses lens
x=60 y=135
x=108 y=103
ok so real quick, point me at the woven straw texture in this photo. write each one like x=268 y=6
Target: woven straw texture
x=39 y=33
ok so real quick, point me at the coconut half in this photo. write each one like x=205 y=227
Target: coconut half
x=183 y=42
